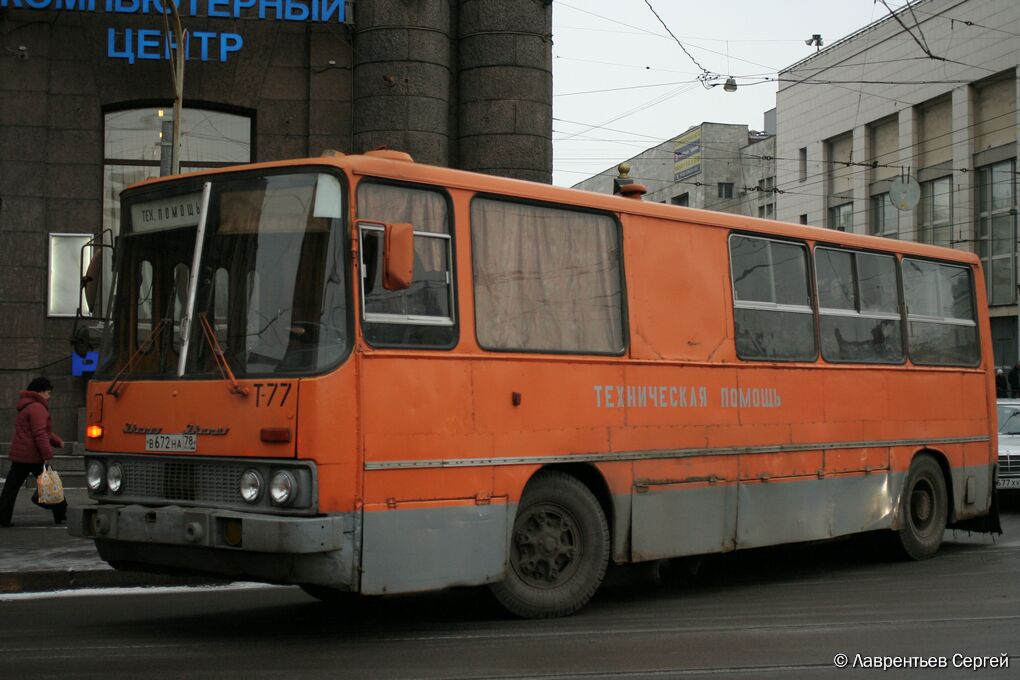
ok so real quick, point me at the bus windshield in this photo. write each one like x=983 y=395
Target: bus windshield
x=271 y=290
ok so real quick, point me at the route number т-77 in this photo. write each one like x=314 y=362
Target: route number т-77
x=271 y=394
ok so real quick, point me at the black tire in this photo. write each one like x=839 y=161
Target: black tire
x=924 y=509
x=559 y=549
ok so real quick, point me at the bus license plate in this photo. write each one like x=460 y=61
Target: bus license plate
x=171 y=442
x=1009 y=483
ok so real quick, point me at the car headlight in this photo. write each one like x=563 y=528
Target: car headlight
x=115 y=477
x=251 y=486
x=283 y=488
x=95 y=474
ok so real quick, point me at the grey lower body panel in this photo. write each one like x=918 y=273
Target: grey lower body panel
x=791 y=511
x=672 y=521
x=411 y=550
x=677 y=519
x=173 y=539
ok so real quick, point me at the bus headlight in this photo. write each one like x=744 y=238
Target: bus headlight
x=283 y=488
x=251 y=486
x=94 y=476
x=115 y=477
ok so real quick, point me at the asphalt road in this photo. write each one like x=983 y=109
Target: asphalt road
x=777 y=613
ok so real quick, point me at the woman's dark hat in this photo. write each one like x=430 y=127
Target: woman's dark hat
x=40 y=384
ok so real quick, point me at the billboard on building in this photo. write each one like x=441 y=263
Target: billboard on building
x=687 y=154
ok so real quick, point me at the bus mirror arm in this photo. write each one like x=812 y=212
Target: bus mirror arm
x=398 y=256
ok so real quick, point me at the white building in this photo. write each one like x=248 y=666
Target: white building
x=933 y=97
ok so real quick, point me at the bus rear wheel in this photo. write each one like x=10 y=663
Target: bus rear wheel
x=924 y=509
x=559 y=549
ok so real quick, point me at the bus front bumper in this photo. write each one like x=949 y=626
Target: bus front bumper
x=235 y=545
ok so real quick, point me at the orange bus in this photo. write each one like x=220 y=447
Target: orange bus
x=362 y=374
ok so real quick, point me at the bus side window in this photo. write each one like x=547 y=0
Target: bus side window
x=772 y=311
x=941 y=326
x=421 y=315
x=546 y=278
x=858 y=307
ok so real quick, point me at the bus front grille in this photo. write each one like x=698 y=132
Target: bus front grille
x=169 y=481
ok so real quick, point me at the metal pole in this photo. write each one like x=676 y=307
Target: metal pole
x=189 y=311
x=178 y=76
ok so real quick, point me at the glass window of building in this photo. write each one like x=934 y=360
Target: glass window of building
x=996 y=230
x=725 y=189
x=133 y=147
x=841 y=217
x=885 y=217
x=937 y=212
x=68 y=253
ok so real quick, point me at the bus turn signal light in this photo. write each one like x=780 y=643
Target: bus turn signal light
x=94 y=431
x=276 y=434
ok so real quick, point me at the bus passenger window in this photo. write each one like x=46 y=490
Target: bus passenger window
x=182 y=275
x=546 y=279
x=423 y=314
x=220 y=297
x=858 y=307
x=772 y=311
x=940 y=314
x=144 y=312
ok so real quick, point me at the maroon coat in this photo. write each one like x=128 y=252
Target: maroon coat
x=33 y=430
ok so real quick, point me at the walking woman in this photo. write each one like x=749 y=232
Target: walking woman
x=31 y=447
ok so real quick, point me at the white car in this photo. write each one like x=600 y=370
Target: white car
x=1009 y=443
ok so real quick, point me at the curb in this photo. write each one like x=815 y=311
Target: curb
x=70 y=579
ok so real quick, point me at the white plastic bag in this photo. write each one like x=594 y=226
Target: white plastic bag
x=49 y=487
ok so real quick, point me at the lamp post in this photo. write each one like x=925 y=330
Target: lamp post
x=177 y=72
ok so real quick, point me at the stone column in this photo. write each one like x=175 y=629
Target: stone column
x=505 y=88
x=402 y=78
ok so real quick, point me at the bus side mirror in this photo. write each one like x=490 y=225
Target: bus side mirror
x=399 y=256
x=90 y=282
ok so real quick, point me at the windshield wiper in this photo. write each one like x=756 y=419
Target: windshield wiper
x=144 y=347
x=219 y=357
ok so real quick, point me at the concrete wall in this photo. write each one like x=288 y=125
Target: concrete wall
x=810 y=114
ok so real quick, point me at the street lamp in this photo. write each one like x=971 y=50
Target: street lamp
x=177 y=73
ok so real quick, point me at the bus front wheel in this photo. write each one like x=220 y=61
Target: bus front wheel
x=559 y=549
x=924 y=508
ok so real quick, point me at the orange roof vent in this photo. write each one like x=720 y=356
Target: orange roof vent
x=390 y=154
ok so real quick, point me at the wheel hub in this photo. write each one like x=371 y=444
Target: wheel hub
x=922 y=506
x=546 y=543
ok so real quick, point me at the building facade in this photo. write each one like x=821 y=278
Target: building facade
x=910 y=131
x=713 y=166
x=86 y=89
